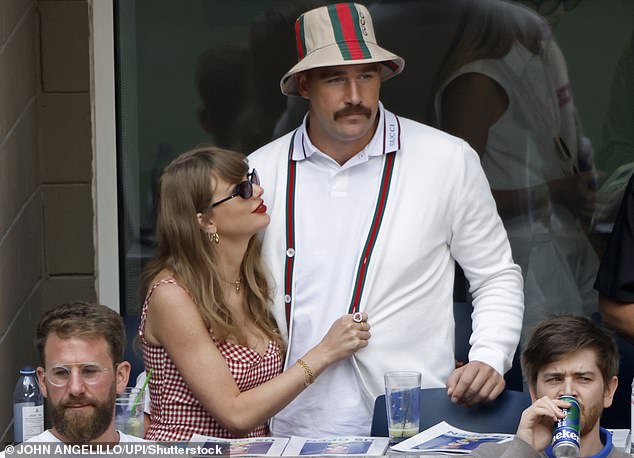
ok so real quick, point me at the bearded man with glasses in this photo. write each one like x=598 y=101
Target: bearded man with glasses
x=81 y=347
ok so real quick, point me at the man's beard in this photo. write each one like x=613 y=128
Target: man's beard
x=80 y=427
x=590 y=415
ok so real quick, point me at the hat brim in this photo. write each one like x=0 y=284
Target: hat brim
x=329 y=56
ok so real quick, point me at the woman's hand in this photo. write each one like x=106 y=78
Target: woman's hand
x=345 y=337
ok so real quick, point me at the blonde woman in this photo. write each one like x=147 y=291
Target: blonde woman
x=206 y=329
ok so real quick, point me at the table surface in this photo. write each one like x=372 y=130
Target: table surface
x=620 y=438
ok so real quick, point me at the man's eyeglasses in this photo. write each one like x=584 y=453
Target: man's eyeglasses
x=90 y=373
x=243 y=189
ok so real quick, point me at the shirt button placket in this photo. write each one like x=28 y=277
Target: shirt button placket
x=290 y=252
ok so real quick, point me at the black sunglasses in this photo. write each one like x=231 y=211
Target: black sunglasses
x=243 y=189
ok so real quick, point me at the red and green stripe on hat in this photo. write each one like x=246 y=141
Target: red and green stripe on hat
x=345 y=26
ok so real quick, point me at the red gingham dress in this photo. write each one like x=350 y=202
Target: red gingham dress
x=176 y=413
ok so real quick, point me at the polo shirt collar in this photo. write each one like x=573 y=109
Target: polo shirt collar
x=386 y=139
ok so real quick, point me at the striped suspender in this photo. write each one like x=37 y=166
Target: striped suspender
x=290 y=231
x=364 y=262
x=379 y=211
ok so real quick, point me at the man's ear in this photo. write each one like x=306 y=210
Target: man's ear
x=122 y=375
x=610 y=389
x=302 y=85
x=41 y=382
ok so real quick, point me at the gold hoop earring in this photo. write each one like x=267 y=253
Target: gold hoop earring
x=215 y=237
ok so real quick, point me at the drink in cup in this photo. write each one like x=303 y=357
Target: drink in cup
x=402 y=431
x=402 y=398
x=129 y=412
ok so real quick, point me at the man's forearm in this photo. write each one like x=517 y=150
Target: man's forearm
x=618 y=316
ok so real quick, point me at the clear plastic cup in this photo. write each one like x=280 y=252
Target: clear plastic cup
x=128 y=417
x=402 y=398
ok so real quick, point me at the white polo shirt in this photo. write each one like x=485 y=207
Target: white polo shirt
x=341 y=198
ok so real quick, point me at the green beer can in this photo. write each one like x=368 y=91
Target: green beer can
x=566 y=433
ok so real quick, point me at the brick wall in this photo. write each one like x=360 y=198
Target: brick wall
x=46 y=210
x=65 y=151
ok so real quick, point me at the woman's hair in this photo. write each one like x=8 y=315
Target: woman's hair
x=560 y=336
x=186 y=188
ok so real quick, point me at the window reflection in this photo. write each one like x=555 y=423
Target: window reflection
x=504 y=88
x=615 y=157
x=493 y=72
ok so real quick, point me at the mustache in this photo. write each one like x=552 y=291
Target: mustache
x=353 y=109
x=72 y=401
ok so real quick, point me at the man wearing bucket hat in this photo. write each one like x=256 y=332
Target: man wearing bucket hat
x=369 y=212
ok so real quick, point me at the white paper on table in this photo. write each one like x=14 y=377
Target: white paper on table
x=620 y=437
x=444 y=438
x=251 y=446
x=351 y=446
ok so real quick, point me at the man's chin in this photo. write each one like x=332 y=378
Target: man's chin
x=353 y=132
x=85 y=422
x=81 y=425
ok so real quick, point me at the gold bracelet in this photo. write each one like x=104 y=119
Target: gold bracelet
x=307 y=371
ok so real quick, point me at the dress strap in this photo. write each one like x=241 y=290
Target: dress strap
x=146 y=302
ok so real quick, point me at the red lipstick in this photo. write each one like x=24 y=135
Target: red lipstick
x=260 y=208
